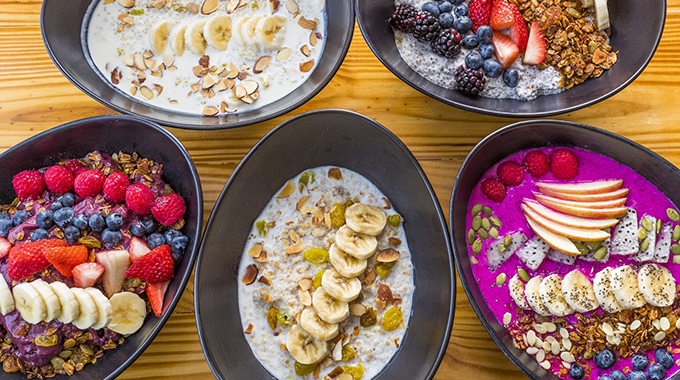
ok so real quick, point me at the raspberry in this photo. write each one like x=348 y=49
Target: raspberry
x=510 y=173
x=115 y=187
x=75 y=167
x=28 y=183
x=58 y=179
x=139 y=198
x=403 y=18
x=536 y=163
x=89 y=183
x=563 y=164
x=494 y=189
x=168 y=209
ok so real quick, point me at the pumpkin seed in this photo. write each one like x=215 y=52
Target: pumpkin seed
x=646 y=224
x=581 y=248
x=644 y=244
x=495 y=222
x=594 y=245
x=600 y=253
x=507 y=241
x=483 y=234
x=486 y=224
x=477 y=247
x=673 y=214
x=500 y=279
x=523 y=274
x=474 y=260
x=675 y=249
x=658 y=226
x=476 y=222
x=476 y=209
x=487 y=211
x=676 y=233
x=493 y=232
x=642 y=233
x=471 y=236
x=676 y=259
x=501 y=248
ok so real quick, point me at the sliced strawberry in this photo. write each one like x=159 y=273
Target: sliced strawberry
x=138 y=248
x=5 y=246
x=156 y=266
x=518 y=30
x=27 y=259
x=506 y=50
x=536 y=48
x=156 y=292
x=479 y=13
x=65 y=259
x=87 y=274
x=502 y=15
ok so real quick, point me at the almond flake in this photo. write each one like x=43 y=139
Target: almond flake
x=133 y=90
x=255 y=95
x=129 y=60
x=255 y=250
x=297 y=248
x=249 y=329
x=220 y=86
x=233 y=71
x=250 y=86
x=307 y=24
x=195 y=87
x=394 y=241
x=251 y=273
x=301 y=202
x=263 y=255
x=292 y=6
x=261 y=64
x=209 y=81
x=264 y=280
x=172 y=68
x=158 y=88
x=232 y=5
x=159 y=4
x=157 y=74
x=168 y=60
x=357 y=309
x=305 y=51
x=127 y=3
x=146 y=92
x=282 y=55
x=204 y=92
x=306 y=283
x=388 y=255
x=305 y=297
x=312 y=38
x=192 y=7
x=139 y=61
x=209 y=6
x=197 y=70
x=211 y=111
x=147 y=54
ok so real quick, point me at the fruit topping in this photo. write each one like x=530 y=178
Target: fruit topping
x=469 y=81
x=115 y=262
x=138 y=248
x=156 y=293
x=479 y=13
x=605 y=358
x=447 y=44
x=139 y=198
x=167 y=209
x=536 y=46
x=129 y=312
x=89 y=183
x=403 y=18
x=28 y=184
x=87 y=274
x=536 y=163
x=506 y=50
x=511 y=77
x=502 y=15
x=510 y=173
x=518 y=31
x=576 y=372
x=27 y=259
x=64 y=259
x=426 y=27
x=154 y=267
x=58 y=179
x=494 y=189
x=5 y=246
x=563 y=164
x=115 y=187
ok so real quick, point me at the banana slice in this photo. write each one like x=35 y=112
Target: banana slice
x=359 y=245
x=603 y=291
x=305 y=348
x=340 y=287
x=601 y=15
x=194 y=39
x=89 y=315
x=51 y=299
x=346 y=265
x=657 y=285
x=552 y=296
x=29 y=303
x=217 y=32
x=270 y=31
x=328 y=308
x=533 y=296
x=578 y=292
x=248 y=31
x=313 y=324
x=236 y=30
x=365 y=219
x=624 y=285
x=70 y=308
x=6 y=298
x=158 y=35
x=516 y=286
x=177 y=39
x=104 y=308
x=129 y=312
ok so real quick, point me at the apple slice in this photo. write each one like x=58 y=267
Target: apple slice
x=595 y=205
x=596 y=187
x=555 y=241
x=569 y=220
x=581 y=234
x=587 y=212
x=616 y=194
x=115 y=264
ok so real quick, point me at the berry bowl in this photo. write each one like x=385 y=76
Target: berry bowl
x=627 y=19
x=352 y=142
x=107 y=135
x=64 y=26
x=492 y=275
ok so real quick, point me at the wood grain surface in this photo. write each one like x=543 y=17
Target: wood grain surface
x=34 y=96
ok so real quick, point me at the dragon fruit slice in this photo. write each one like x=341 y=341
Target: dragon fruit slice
x=497 y=258
x=648 y=254
x=560 y=257
x=625 y=240
x=662 y=251
x=533 y=252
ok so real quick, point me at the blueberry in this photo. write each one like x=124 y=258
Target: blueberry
x=67 y=199
x=80 y=221
x=604 y=377
x=171 y=234
x=19 y=217
x=656 y=372
x=39 y=234
x=177 y=246
x=492 y=68
x=44 y=219
x=114 y=221
x=431 y=8
x=457 y=2
x=5 y=226
x=111 y=237
x=4 y=215
x=484 y=34
x=511 y=77
x=445 y=6
x=460 y=10
x=487 y=51
x=72 y=234
x=639 y=362
x=462 y=24
x=137 y=229
x=97 y=222
x=446 y=20
x=63 y=216
x=617 y=375
x=637 y=375
x=664 y=358
x=469 y=41
x=576 y=372
x=149 y=226
x=474 y=61
x=605 y=358
x=155 y=240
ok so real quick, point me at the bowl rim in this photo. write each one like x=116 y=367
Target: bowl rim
x=490 y=112
x=459 y=256
x=331 y=74
x=433 y=197
x=199 y=193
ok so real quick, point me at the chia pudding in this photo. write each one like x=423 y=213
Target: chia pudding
x=317 y=297
x=575 y=254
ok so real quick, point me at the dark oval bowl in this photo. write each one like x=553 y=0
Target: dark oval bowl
x=61 y=24
x=636 y=32
x=325 y=137
x=110 y=134
x=534 y=134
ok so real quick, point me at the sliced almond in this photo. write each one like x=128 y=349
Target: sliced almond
x=195 y=87
x=209 y=6
x=209 y=81
x=388 y=255
x=357 y=309
x=312 y=38
x=305 y=67
x=304 y=50
x=158 y=88
x=232 y=5
x=221 y=86
x=297 y=248
x=264 y=280
x=307 y=24
x=192 y=7
x=292 y=6
x=159 y=4
x=139 y=61
x=172 y=68
x=306 y=283
x=230 y=83
x=305 y=297
x=337 y=352
x=240 y=92
x=261 y=64
x=233 y=71
x=197 y=70
x=133 y=90
x=211 y=94
x=263 y=255
x=147 y=54
x=211 y=111
x=282 y=55
x=249 y=329
x=370 y=277
x=250 y=86
x=204 y=92
x=394 y=241
x=129 y=60
x=251 y=274
x=255 y=250
x=123 y=15
x=301 y=202
x=168 y=60
x=255 y=95
x=146 y=92
x=149 y=63
x=127 y=3
x=335 y=173
x=287 y=190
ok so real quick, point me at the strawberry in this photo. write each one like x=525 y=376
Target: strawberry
x=494 y=189
x=58 y=179
x=536 y=48
x=28 y=183
x=506 y=50
x=536 y=163
x=139 y=198
x=510 y=173
x=502 y=15
x=479 y=12
x=156 y=292
x=27 y=259
x=65 y=259
x=168 y=209
x=115 y=186
x=5 y=246
x=87 y=274
x=518 y=30
x=154 y=267
x=563 y=164
x=138 y=248
x=89 y=183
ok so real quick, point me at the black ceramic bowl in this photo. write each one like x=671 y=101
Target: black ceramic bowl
x=326 y=137
x=61 y=24
x=534 y=134
x=636 y=32
x=111 y=134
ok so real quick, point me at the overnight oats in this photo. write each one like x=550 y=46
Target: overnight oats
x=326 y=279
x=87 y=247
x=211 y=57
x=577 y=256
x=517 y=49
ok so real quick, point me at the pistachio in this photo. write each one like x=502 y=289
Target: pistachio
x=495 y=222
x=600 y=253
x=673 y=214
x=644 y=244
x=476 y=222
x=646 y=224
x=500 y=279
x=676 y=233
x=642 y=232
x=581 y=248
x=487 y=211
x=493 y=232
x=486 y=224
x=508 y=240
x=477 y=247
x=476 y=209
x=523 y=274
x=675 y=249
x=483 y=234
x=471 y=236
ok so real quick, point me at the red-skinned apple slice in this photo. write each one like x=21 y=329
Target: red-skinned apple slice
x=596 y=187
x=581 y=234
x=616 y=194
x=115 y=264
x=555 y=241
x=550 y=201
x=597 y=213
x=569 y=220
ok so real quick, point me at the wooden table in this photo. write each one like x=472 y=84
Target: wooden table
x=35 y=96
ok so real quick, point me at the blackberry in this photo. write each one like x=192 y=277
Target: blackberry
x=468 y=81
x=403 y=18
x=426 y=27
x=447 y=43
